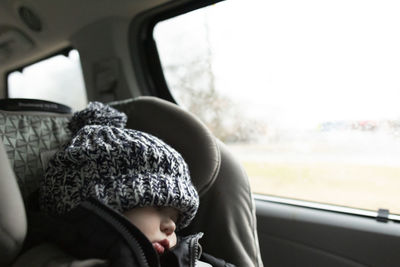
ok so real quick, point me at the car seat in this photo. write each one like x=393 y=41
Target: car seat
x=13 y=226
x=28 y=130
x=227 y=212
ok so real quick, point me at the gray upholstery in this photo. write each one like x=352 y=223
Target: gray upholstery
x=13 y=224
x=180 y=130
x=49 y=255
x=27 y=135
x=227 y=212
x=227 y=215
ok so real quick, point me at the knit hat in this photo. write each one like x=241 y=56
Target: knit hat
x=122 y=168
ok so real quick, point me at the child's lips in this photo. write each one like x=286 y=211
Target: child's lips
x=161 y=246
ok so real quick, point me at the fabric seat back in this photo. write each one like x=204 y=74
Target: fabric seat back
x=227 y=211
x=13 y=225
x=29 y=131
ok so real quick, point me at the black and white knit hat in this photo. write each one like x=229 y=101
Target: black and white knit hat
x=122 y=168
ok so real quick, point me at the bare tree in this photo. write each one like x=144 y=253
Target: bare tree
x=193 y=84
x=194 y=87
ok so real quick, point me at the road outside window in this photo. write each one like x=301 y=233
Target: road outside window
x=305 y=93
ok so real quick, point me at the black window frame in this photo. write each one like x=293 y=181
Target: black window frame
x=144 y=54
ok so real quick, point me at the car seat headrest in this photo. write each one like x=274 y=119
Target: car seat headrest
x=13 y=225
x=181 y=130
x=31 y=130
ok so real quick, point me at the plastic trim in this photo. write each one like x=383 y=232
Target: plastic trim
x=144 y=54
x=325 y=207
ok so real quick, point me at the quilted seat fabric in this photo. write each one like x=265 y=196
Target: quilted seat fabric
x=26 y=136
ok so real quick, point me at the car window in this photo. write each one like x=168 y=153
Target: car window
x=305 y=93
x=58 y=79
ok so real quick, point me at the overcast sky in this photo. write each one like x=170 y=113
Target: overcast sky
x=299 y=62
x=296 y=63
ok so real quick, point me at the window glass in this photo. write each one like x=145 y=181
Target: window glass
x=58 y=79
x=305 y=93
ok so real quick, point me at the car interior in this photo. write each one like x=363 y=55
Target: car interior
x=114 y=45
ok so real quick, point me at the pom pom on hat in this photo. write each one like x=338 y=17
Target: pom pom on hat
x=97 y=113
x=122 y=168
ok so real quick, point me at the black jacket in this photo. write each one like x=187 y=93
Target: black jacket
x=94 y=231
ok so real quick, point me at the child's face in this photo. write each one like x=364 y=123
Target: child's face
x=157 y=224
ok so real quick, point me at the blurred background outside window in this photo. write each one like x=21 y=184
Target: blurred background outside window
x=57 y=79
x=305 y=93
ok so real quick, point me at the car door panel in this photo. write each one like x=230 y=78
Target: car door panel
x=299 y=236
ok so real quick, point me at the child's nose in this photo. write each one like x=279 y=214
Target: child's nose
x=168 y=226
